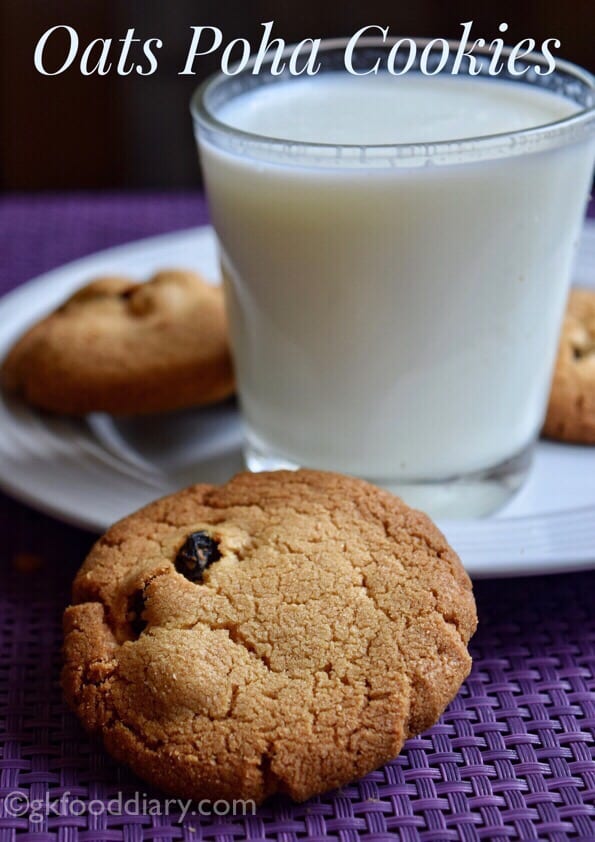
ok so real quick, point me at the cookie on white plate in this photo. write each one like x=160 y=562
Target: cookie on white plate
x=571 y=410
x=127 y=348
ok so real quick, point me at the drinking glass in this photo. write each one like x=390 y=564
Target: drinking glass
x=395 y=309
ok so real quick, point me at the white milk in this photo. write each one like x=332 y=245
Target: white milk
x=337 y=108
x=395 y=322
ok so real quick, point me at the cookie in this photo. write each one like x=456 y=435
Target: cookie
x=285 y=632
x=571 y=410
x=126 y=348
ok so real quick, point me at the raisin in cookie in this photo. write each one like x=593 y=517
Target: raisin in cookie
x=126 y=348
x=285 y=632
x=571 y=411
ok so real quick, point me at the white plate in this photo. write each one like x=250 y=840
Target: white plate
x=93 y=472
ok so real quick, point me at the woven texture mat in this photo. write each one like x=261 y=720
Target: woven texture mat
x=511 y=758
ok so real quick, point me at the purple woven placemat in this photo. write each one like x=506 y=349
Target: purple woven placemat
x=512 y=757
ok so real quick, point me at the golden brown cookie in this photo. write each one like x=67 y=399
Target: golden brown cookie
x=285 y=632
x=126 y=348
x=571 y=411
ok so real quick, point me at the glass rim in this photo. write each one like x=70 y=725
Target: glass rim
x=489 y=145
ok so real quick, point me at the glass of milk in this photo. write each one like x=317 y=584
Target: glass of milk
x=396 y=253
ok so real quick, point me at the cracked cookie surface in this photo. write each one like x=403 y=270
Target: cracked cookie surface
x=571 y=410
x=330 y=624
x=126 y=348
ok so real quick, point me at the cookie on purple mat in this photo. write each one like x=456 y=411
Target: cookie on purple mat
x=285 y=632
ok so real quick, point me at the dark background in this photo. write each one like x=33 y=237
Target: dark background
x=75 y=132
